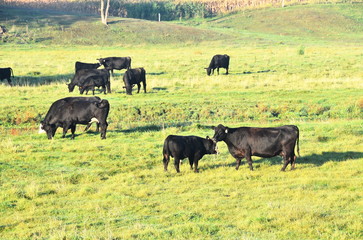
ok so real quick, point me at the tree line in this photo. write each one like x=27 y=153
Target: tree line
x=168 y=9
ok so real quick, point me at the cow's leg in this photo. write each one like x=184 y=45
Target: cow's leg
x=238 y=162
x=65 y=129
x=293 y=160
x=144 y=84
x=196 y=165
x=176 y=164
x=166 y=160
x=87 y=127
x=9 y=81
x=218 y=71
x=249 y=158
x=138 y=87
x=53 y=131
x=191 y=161
x=227 y=71
x=103 y=130
x=287 y=159
x=73 y=130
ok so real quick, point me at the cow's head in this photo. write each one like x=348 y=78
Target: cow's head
x=48 y=128
x=71 y=87
x=211 y=146
x=209 y=71
x=220 y=133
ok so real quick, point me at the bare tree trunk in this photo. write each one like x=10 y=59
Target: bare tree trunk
x=104 y=12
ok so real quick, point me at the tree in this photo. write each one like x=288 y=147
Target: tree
x=104 y=12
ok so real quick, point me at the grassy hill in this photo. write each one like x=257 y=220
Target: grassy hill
x=116 y=188
x=297 y=24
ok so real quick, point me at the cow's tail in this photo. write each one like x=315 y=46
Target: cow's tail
x=297 y=140
x=166 y=154
x=129 y=63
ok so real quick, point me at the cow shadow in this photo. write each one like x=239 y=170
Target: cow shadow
x=250 y=72
x=151 y=127
x=316 y=159
x=35 y=80
x=156 y=73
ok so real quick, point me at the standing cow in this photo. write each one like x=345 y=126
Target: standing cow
x=80 y=65
x=68 y=114
x=6 y=73
x=132 y=77
x=191 y=147
x=90 y=83
x=82 y=75
x=218 y=61
x=244 y=142
x=118 y=63
x=59 y=105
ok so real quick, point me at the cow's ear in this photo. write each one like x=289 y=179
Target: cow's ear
x=207 y=137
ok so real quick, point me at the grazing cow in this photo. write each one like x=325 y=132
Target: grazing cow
x=92 y=82
x=77 y=112
x=118 y=63
x=59 y=104
x=132 y=77
x=80 y=65
x=218 y=61
x=82 y=75
x=244 y=142
x=191 y=147
x=6 y=73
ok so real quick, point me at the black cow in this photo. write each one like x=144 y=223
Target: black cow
x=6 y=73
x=191 y=147
x=118 y=63
x=80 y=65
x=92 y=82
x=67 y=114
x=132 y=77
x=82 y=75
x=218 y=61
x=59 y=104
x=244 y=142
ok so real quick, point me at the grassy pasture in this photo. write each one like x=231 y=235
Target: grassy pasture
x=116 y=188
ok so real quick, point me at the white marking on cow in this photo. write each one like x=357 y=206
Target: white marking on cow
x=94 y=120
x=41 y=130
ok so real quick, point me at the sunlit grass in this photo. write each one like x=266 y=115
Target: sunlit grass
x=116 y=188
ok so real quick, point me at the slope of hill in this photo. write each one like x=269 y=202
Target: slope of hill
x=341 y=22
x=50 y=27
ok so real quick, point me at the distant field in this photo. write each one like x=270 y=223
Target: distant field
x=116 y=188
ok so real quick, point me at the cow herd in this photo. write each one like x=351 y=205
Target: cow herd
x=87 y=75
x=242 y=142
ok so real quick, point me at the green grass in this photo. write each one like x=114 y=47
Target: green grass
x=116 y=188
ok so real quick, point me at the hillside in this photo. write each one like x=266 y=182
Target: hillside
x=297 y=24
x=341 y=22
